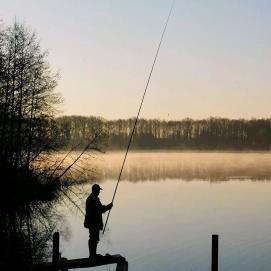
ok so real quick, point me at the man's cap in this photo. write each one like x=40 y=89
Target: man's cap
x=96 y=187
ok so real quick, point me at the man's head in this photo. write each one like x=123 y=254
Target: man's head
x=96 y=189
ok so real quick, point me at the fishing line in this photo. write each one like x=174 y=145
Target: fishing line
x=145 y=90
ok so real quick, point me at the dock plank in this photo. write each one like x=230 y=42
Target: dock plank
x=64 y=264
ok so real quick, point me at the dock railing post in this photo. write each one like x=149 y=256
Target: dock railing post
x=55 y=258
x=214 y=266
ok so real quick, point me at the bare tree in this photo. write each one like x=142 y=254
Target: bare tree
x=28 y=96
x=27 y=106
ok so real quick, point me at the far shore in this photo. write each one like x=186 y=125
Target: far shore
x=175 y=151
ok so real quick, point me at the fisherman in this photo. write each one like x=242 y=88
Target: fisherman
x=93 y=219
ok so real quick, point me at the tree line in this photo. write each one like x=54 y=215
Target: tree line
x=205 y=134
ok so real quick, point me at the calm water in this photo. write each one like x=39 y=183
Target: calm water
x=169 y=204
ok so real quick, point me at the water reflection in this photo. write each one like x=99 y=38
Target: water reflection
x=167 y=225
x=211 y=166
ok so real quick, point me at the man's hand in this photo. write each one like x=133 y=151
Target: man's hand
x=110 y=205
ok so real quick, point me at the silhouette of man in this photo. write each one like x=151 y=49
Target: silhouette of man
x=93 y=219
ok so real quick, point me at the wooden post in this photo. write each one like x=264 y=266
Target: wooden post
x=123 y=266
x=55 y=259
x=214 y=252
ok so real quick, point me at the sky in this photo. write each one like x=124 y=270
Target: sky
x=215 y=59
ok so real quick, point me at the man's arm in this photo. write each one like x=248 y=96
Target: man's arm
x=105 y=208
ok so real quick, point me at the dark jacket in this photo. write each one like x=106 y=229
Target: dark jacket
x=94 y=210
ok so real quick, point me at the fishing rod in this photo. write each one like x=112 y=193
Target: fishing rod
x=139 y=110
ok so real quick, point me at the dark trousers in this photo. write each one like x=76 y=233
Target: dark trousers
x=93 y=242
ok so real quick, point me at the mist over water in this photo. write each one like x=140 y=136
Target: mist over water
x=169 y=204
x=212 y=166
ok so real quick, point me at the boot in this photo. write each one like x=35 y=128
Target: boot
x=92 y=246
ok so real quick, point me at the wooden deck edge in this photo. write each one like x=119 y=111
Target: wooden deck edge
x=64 y=264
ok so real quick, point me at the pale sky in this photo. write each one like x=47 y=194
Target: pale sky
x=215 y=59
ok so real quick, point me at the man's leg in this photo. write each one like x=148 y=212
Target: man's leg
x=92 y=249
x=93 y=243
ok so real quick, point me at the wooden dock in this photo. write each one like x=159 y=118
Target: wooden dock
x=64 y=264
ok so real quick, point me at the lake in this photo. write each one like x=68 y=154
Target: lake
x=169 y=204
